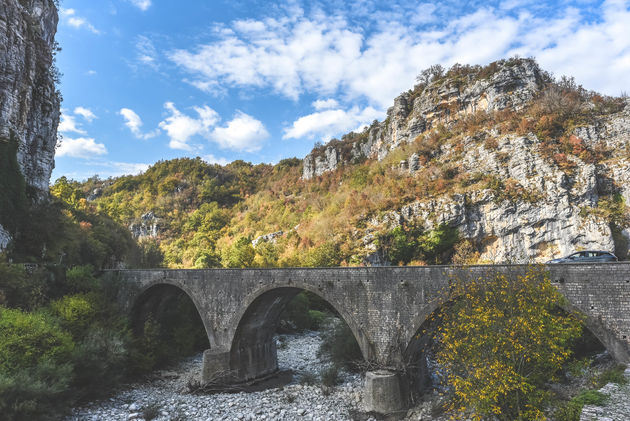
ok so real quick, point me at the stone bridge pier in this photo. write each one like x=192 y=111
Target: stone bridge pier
x=385 y=307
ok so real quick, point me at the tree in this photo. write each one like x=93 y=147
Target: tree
x=500 y=341
x=241 y=254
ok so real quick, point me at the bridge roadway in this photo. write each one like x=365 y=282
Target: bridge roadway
x=385 y=307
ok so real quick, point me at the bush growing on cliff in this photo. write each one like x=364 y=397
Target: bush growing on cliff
x=500 y=342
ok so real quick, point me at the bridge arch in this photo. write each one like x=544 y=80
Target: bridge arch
x=418 y=372
x=162 y=289
x=253 y=349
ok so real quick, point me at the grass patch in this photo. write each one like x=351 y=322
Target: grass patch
x=612 y=375
x=573 y=409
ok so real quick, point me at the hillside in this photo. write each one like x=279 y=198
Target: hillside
x=474 y=164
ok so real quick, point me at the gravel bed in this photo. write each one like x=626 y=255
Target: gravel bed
x=166 y=394
x=616 y=408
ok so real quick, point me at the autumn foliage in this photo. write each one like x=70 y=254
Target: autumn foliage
x=500 y=341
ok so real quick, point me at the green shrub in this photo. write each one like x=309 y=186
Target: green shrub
x=340 y=347
x=34 y=369
x=305 y=312
x=172 y=329
x=33 y=393
x=100 y=362
x=27 y=339
x=612 y=375
x=13 y=285
x=76 y=312
x=572 y=410
x=330 y=376
x=324 y=255
x=317 y=318
x=81 y=279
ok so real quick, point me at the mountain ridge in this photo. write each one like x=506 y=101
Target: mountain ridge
x=475 y=164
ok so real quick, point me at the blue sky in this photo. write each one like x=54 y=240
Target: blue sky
x=147 y=80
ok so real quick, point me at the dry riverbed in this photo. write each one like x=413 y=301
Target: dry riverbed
x=166 y=395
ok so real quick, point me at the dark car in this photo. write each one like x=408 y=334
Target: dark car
x=597 y=256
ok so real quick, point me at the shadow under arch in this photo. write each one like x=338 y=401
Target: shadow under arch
x=609 y=341
x=157 y=300
x=253 y=349
x=418 y=372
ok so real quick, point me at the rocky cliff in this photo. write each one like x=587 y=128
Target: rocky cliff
x=512 y=84
x=29 y=100
x=524 y=167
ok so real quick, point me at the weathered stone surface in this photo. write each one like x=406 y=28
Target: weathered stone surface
x=5 y=238
x=271 y=237
x=555 y=211
x=29 y=101
x=147 y=227
x=315 y=164
x=383 y=393
x=384 y=307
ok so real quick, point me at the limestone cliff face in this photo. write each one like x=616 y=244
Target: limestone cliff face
x=29 y=101
x=563 y=212
x=556 y=210
x=512 y=85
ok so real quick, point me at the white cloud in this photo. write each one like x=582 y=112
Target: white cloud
x=141 y=4
x=81 y=147
x=243 y=133
x=103 y=168
x=211 y=159
x=86 y=113
x=68 y=124
x=329 y=123
x=124 y=168
x=70 y=17
x=146 y=53
x=91 y=73
x=325 y=104
x=293 y=52
x=134 y=123
x=180 y=127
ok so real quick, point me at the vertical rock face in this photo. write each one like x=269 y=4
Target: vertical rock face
x=29 y=101
x=511 y=85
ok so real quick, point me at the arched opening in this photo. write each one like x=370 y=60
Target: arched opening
x=421 y=368
x=166 y=327
x=293 y=312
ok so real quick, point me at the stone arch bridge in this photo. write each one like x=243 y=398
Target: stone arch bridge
x=384 y=307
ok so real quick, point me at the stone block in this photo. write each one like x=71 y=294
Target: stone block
x=383 y=392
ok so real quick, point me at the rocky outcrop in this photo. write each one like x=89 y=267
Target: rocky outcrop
x=5 y=238
x=29 y=101
x=512 y=84
x=554 y=213
x=271 y=237
x=538 y=205
x=147 y=227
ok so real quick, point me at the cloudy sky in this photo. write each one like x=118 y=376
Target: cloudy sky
x=147 y=80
